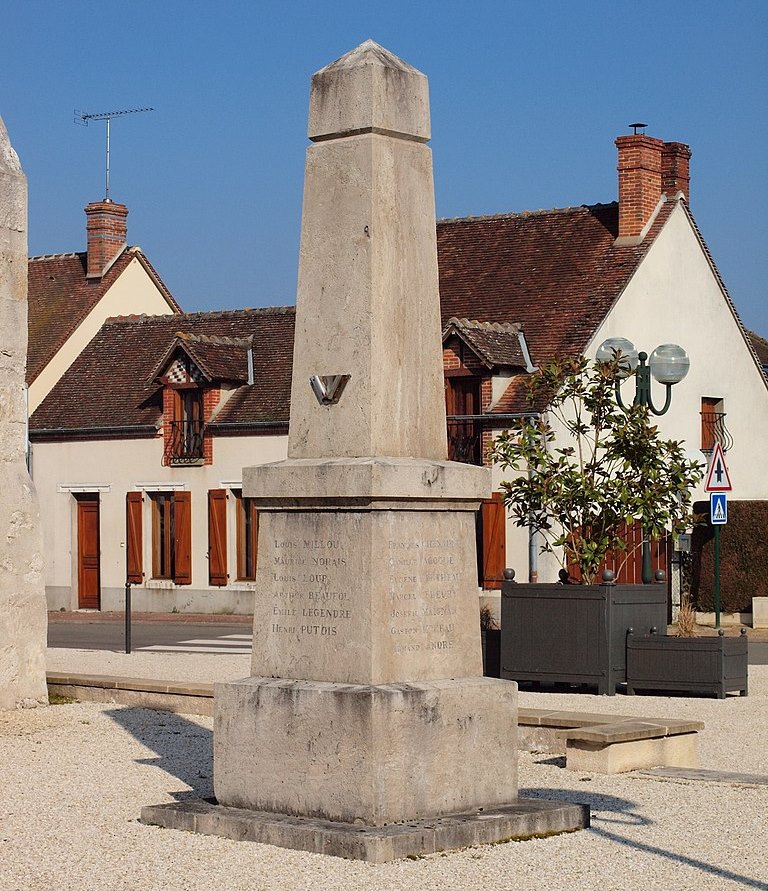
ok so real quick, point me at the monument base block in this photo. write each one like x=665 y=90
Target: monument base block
x=526 y=818
x=369 y=755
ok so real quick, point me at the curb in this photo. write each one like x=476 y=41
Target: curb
x=168 y=696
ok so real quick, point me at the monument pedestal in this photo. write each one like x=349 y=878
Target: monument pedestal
x=371 y=755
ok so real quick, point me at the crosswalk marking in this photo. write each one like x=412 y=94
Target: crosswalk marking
x=245 y=651
x=232 y=644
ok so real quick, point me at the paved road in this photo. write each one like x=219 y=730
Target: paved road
x=186 y=637
x=168 y=637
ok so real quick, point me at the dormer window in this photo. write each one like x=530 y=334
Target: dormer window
x=191 y=373
x=187 y=426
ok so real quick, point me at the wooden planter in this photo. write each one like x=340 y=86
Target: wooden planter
x=693 y=664
x=574 y=633
x=491 y=640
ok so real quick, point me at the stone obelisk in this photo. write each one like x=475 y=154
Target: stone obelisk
x=367 y=729
x=23 y=616
x=366 y=653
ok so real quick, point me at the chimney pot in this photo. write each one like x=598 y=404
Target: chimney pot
x=107 y=230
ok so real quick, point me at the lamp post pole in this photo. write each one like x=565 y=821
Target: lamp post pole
x=669 y=364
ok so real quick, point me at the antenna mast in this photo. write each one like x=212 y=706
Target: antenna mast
x=82 y=118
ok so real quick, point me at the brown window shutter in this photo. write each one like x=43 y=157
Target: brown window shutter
x=134 y=570
x=217 y=537
x=182 y=524
x=494 y=540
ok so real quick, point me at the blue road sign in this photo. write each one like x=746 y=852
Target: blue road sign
x=718 y=508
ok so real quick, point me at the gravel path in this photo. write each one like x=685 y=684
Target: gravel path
x=74 y=778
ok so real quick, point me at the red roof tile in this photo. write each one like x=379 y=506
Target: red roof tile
x=109 y=385
x=495 y=343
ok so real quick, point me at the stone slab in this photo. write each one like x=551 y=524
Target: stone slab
x=565 y=719
x=760 y=612
x=526 y=818
x=415 y=483
x=709 y=776
x=375 y=754
x=681 y=750
x=623 y=731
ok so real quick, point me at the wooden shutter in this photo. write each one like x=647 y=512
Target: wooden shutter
x=182 y=533
x=493 y=519
x=217 y=537
x=134 y=568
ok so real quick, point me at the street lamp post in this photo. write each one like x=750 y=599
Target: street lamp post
x=668 y=364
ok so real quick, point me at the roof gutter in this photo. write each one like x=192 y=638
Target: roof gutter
x=499 y=416
x=93 y=432
x=244 y=425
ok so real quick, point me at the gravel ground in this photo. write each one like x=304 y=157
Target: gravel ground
x=74 y=778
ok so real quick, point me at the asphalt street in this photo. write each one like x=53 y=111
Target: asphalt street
x=189 y=637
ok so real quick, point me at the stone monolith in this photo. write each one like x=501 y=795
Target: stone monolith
x=366 y=728
x=23 y=616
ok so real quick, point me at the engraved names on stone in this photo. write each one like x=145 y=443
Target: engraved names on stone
x=312 y=596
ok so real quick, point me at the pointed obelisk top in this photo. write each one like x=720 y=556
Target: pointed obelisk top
x=369 y=90
x=9 y=160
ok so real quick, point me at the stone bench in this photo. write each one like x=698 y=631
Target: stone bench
x=602 y=743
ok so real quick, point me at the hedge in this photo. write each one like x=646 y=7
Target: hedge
x=743 y=556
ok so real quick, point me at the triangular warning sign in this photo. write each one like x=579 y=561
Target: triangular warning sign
x=717 y=478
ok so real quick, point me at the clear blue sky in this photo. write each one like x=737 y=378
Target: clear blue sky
x=527 y=98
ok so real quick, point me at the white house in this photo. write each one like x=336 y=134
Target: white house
x=72 y=295
x=139 y=444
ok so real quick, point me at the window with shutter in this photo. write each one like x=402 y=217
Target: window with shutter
x=217 y=537
x=182 y=503
x=493 y=523
x=172 y=537
x=134 y=571
x=247 y=536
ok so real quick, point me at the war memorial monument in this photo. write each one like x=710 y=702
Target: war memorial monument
x=367 y=729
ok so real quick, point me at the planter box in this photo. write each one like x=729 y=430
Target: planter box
x=694 y=664
x=491 y=641
x=575 y=633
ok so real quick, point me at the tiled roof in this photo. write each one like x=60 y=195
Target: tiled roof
x=760 y=346
x=60 y=297
x=496 y=343
x=110 y=384
x=556 y=273
x=218 y=358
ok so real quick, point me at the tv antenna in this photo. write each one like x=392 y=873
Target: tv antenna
x=82 y=119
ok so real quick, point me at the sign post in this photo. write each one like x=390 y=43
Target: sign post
x=717 y=484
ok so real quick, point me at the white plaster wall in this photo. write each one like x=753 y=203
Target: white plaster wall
x=674 y=297
x=133 y=292
x=120 y=466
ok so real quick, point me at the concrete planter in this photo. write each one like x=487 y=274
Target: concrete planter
x=574 y=633
x=693 y=664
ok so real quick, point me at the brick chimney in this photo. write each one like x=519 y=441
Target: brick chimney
x=107 y=231
x=675 y=174
x=640 y=167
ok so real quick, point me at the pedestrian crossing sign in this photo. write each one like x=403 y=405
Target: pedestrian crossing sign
x=718 y=509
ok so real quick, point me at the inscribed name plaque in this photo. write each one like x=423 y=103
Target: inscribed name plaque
x=366 y=597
